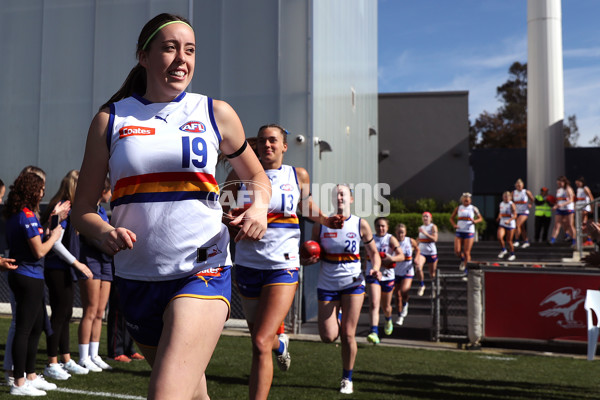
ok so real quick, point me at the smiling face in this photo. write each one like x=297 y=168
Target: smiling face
x=343 y=199
x=169 y=62
x=401 y=233
x=270 y=147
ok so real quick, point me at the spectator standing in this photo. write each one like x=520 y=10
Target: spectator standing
x=543 y=215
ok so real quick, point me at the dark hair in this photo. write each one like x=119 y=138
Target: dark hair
x=581 y=179
x=1 y=183
x=284 y=132
x=36 y=170
x=564 y=180
x=382 y=219
x=136 y=80
x=24 y=192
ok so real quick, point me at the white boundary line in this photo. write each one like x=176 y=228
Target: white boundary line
x=100 y=394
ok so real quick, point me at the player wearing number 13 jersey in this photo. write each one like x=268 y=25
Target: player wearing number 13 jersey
x=266 y=271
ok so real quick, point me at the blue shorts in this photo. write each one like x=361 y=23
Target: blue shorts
x=250 y=281
x=100 y=269
x=465 y=235
x=523 y=214
x=144 y=302
x=399 y=279
x=564 y=212
x=430 y=259
x=336 y=295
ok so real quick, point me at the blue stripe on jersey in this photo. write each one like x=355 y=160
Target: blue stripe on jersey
x=296 y=176
x=279 y=225
x=212 y=119
x=164 y=197
x=111 y=123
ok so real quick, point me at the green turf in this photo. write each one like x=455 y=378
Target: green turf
x=380 y=373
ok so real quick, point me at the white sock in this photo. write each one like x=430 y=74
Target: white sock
x=94 y=349
x=84 y=350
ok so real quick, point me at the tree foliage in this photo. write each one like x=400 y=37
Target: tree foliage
x=507 y=127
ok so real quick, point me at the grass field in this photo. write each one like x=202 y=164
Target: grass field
x=380 y=373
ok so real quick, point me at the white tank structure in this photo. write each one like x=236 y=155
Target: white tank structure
x=545 y=95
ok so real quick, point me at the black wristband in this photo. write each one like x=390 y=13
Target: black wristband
x=238 y=152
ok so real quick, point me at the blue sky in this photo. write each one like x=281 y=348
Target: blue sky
x=437 y=45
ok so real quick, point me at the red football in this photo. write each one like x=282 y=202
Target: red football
x=382 y=254
x=551 y=200
x=309 y=249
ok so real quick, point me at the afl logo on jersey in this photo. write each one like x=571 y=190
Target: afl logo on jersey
x=286 y=187
x=135 y=131
x=193 y=127
x=351 y=235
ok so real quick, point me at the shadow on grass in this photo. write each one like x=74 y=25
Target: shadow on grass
x=450 y=388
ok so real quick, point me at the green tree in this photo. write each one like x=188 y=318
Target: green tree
x=507 y=127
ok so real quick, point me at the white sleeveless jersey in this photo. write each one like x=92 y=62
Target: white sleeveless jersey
x=465 y=217
x=278 y=249
x=340 y=256
x=383 y=244
x=506 y=215
x=405 y=268
x=562 y=196
x=581 y=199
x=162 y=166
x=521 y=201
x=426 y=245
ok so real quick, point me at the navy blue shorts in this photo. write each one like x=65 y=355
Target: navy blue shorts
x=336 y=295
x=430 y=259
x=250 y=281
x=100 y=269
x=144 y=302
x=465 y=235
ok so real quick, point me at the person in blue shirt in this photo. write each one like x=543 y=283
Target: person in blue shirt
x=26 y=245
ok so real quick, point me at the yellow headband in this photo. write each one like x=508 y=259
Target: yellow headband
x=159 y=28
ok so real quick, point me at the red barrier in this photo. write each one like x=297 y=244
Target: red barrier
x=537 y=304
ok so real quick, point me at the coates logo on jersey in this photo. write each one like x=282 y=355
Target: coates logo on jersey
x=193 y=127
x=135 y=131
x=351 y=235
x=286 y=187
x=330 y=235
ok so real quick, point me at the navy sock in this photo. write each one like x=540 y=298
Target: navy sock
x=347 y=375
x=375 y=329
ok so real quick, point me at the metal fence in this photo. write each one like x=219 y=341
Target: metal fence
x=449 y=307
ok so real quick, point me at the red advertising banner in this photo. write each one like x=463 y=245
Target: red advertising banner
x=536 y=305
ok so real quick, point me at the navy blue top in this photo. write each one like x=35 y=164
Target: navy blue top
x=20 y=228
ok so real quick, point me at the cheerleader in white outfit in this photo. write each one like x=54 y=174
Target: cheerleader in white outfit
x=341 y=284
x=523 y=199
x=507 y=216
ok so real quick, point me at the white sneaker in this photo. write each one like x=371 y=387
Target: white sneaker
x=75 y=368
x=346 y=386
x=55 y=371
x=511 y=257
x=421 y=291
x=516 y=244
x=90 y=365
x=461 y=266
x=40 y=383
x=100 y=362
x=502 y=253
x=26 y=390
x=284 y=360
x=525 y=245
x=399 y=321
x=404 y=312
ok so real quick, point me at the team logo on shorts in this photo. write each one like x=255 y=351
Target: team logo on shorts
x=351 y=235
x=193 y=127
